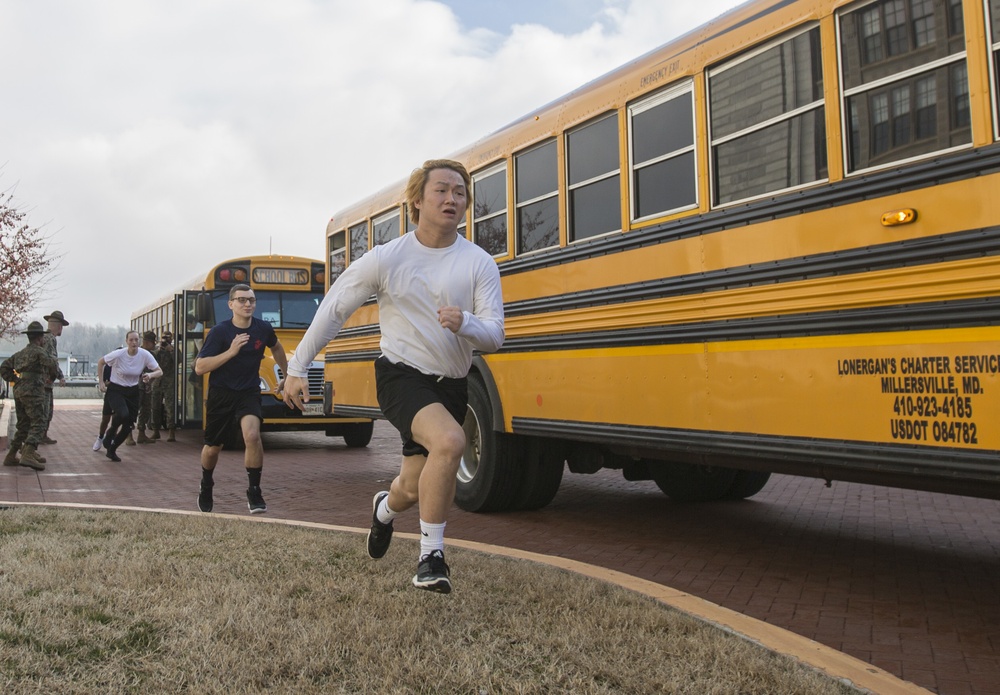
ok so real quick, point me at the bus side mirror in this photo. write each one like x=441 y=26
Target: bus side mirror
x=203 y=308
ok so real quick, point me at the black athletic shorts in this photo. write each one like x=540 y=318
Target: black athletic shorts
x=225 y=408
x=403 y=391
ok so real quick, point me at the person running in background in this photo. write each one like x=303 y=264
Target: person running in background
x=439 y=300
x=56 y=324
x=105 y=409
x=231 y=356
x=128 y=367
x=145 y=397
x=29 y=370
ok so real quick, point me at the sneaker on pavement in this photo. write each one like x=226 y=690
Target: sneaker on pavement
x=98 y=444
x=380 y=534
x=113 y=456
x=432 y=573
x=205 y=502
x=255 y=501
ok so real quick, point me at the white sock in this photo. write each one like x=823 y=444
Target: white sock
x=383 y=513
x=431 y=537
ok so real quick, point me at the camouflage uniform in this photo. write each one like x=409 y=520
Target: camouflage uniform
x=164 y=400
x=52 y=350
x=145 y=397
x=34 y=368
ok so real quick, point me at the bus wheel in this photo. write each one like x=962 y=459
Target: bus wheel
x=488 y=473
x=683 y=482
x=747 y=484
x=541 y=476
x=358 y=435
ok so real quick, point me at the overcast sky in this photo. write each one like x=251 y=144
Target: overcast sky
x=152 y=139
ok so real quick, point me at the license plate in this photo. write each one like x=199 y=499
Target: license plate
x=313 y=409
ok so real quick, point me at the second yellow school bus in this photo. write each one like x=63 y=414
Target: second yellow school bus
x=288 y=290
x=771 y=245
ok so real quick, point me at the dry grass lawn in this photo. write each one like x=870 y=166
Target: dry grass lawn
x=133 y=602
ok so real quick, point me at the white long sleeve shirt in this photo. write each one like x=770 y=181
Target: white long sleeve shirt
x=411 y=282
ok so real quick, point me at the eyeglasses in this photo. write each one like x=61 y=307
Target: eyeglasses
x=245 y=300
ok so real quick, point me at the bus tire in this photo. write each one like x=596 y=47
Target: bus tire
x=358 y=435
x=685 y=482
x=489 y=471
x=544 y=464
x=747 y=484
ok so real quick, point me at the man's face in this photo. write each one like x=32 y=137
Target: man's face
x=132 y=340
x=444 y=199
x=55 y=328
x=243 y=303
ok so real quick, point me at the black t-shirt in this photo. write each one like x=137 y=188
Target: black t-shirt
x=241 y=372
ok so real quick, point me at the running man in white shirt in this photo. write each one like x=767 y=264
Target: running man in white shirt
x=439 y=300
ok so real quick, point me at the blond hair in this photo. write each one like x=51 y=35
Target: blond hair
x=418 y=179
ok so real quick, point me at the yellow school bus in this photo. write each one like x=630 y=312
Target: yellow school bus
x=770 y=245
x=289 y=290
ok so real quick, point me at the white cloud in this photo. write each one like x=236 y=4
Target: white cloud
x=155 y=139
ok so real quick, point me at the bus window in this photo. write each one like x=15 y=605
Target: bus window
x=385 y=228
x=905 y=80
x=594 y=179
x=661 y=130
x=338 y=254
x=489 y=210
x=537 y=194
x=994 y=27
x=768 y=120
x=359 y=241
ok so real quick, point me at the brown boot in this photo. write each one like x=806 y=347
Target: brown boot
x=130 y=441
x=11 y=458
x=31 y=459
x=48 y=440
x=156 y=433
x=143 y=439
x=170 y=435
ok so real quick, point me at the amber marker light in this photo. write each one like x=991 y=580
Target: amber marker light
x=898 y=217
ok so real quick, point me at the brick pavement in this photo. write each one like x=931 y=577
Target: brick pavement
x=906 y=581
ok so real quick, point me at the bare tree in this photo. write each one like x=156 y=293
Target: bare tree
x=25 y=264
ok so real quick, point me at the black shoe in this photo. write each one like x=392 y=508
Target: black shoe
x=381 y=534
x=432 y=573
x=205 y=498
x=255 y=500
x=112 y=455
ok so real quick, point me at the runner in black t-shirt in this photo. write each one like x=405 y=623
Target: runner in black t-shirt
x=231 y=354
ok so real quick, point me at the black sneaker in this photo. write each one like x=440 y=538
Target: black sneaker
x=381 y=534
x=112 y=455
x=205 y=498
x=255 y=500
x=432 y=573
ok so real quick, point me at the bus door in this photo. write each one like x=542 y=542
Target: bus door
x=189 y=331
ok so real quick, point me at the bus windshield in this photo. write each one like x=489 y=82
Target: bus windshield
x=280 y=309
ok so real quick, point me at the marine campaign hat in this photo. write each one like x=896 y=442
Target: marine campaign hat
x=35 y=328
x=150 y=336
x=57 y=316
